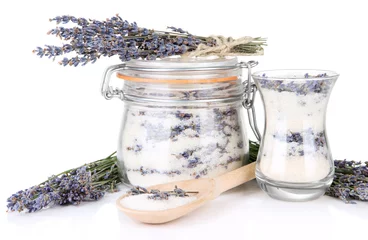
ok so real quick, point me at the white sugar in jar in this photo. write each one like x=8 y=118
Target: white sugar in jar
x=183 y=119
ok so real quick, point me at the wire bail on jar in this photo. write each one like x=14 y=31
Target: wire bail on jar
x=248 y=103
x=106 y=90
x=109 y=92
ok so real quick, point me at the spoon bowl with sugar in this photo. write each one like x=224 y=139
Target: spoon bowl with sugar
x=201 y=191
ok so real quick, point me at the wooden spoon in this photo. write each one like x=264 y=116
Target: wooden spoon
x=207 y=188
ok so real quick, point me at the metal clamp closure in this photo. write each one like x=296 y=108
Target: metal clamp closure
x=250 y=94
x=108 y=91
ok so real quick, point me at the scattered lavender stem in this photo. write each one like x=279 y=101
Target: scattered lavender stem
x=155 y=194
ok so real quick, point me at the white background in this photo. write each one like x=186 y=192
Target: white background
x=53 y=118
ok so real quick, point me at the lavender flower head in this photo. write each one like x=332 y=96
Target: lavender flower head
x=67 y=189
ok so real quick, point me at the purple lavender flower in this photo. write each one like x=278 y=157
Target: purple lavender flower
x=183 y=116
x=294 y=137
x=187 y=153
x=320 y=140
x=136 y=148
x=361 y=193
x=193 y=162
x=179 y=30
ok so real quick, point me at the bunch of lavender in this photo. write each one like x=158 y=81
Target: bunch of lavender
x=350 y=181
x=86 y=183
x=156 y=194
x=91 y=39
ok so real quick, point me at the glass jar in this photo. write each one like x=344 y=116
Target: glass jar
x=294 y=162
x=183 y=119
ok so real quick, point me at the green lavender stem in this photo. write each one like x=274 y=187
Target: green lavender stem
x=99 y=169
x=253 y=151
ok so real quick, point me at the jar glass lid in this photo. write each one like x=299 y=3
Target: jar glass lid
x=182 y=70
x=185 y=63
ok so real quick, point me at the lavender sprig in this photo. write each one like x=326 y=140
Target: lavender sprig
x=350 y=181
x=91 y=39
x=156 y=194
x=86 y=183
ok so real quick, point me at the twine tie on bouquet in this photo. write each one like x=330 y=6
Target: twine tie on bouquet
x=224 y=47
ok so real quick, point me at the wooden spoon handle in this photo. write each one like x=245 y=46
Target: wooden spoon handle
x=234 y=178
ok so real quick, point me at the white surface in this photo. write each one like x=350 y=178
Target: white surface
x=53 y=118
x=242 y=213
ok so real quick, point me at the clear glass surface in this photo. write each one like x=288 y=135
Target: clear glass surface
x=181 y=120
x=295 y=162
